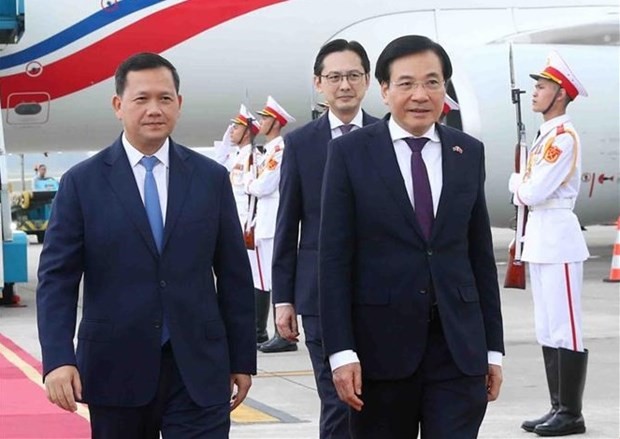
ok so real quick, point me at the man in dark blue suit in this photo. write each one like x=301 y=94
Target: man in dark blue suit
x=410 y=306
x=341 y=74
x=167 y=326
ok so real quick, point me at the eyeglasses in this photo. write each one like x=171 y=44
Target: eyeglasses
x=352 y=77
x=430 y=85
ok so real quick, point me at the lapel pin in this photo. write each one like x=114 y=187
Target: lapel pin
x=457 y=149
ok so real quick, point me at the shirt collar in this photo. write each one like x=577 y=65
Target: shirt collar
x=273 y=143
x=552 y=123
x=244 y=149
x=334 y=122
x=135 y=156
x=397 y=132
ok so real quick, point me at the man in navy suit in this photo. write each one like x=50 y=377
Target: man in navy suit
x=341 y=74
x=167 y=326
x=405 y=256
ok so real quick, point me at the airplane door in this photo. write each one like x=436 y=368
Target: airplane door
x=28 y=108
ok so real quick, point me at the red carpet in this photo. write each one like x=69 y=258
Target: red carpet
x=25 y=411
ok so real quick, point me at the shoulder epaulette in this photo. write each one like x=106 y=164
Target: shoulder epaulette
x=560 y=130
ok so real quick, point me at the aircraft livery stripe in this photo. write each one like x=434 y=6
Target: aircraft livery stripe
x=73 y=33
x=95 y=63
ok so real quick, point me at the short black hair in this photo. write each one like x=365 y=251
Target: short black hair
x=340 y=45
x=143 y=61
x=409 y=45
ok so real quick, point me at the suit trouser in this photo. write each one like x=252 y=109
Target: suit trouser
x=172 y=412
x=334 y=422
x=556 y=289
x=437 y=399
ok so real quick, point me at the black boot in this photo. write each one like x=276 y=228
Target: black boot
x=550 y=356
x=261 y=300
x=568 y=419
x=277 y=343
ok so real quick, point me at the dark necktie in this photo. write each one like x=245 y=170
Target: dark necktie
x=153 y=212
x=422 y=196
x=344 y=129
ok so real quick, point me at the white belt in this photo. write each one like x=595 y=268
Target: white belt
x=555 y=203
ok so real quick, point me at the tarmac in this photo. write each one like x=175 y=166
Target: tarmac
x=283 y=403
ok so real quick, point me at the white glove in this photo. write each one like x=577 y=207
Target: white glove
x=227 y=138
x=514 y=182
x=516 y=202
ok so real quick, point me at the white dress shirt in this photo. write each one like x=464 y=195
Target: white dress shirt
x=160 y=171
x=335 y=123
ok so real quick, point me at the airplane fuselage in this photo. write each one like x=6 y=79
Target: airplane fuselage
x=241 y=51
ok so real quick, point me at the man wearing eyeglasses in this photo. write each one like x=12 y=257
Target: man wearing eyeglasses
x=406 y=254
x=341 y=74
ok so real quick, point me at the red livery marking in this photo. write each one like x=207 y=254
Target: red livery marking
x=570 y=306
x=155 y=33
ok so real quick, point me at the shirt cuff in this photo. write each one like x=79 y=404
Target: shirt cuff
x=495 y=358
x=278 y=305
x=343 y=358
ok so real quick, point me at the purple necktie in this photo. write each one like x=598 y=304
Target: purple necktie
x=346 y=128
x=422 y=196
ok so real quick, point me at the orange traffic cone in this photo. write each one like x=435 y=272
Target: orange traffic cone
x=614 y=272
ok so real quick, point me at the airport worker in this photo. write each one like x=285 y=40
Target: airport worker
x=554 y=246
x=41 y=182
x=341 y=74
x=410 y=306
x=167 y=325
x=264 y=186
x=244 y=128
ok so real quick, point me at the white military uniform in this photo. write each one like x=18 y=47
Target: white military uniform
x=239 y=168
x=265 y=188
x=554 y=245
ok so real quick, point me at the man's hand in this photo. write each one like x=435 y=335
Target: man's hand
x=243 y=383
x=348 y=382
x=286 y=321
x=494 y=381
x=63 y=387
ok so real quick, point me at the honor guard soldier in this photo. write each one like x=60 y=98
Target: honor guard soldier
x=555 y=248
x=263 y=186
x=241 y=134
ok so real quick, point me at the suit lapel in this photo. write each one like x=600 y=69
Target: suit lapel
x=449 y=175
x=381 y=150
x=323 y=136
x=179 y=176
x=123 y=182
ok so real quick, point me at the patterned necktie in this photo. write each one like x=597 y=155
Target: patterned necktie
x=422 y=196
x=344 y=129
x=153 y=212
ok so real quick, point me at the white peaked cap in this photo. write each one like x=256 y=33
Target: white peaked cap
x=243 y=117
x=275 y=110
x=558 y=71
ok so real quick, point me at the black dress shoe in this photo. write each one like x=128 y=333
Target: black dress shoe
x=531 y=425
x=277 y=344
x=261 y=338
